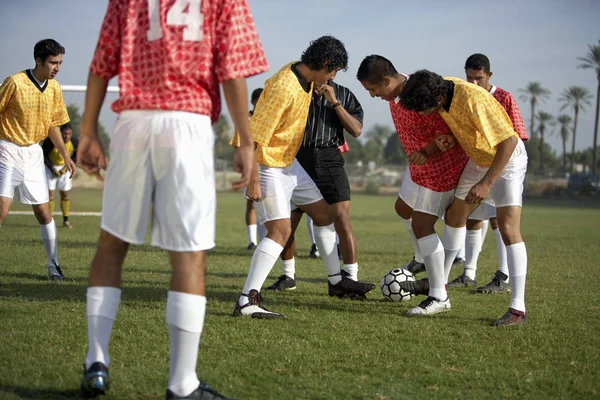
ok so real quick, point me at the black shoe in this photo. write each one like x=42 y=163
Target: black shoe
x=415 y=287
x=95 y=380
x=251 y=246
x=347 y=288
x=203 y=392
x=284 y=282
x=54 y=272
x=314 y=252
x=414 y=267
x=497 y=285
x=254 y=308
x=458 y=260
x=463 y=281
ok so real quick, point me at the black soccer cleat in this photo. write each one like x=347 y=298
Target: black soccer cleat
x=314 y=252
x=462 y=281
x=497 y=285
x=251 y=246
x=284 y=282
x=416 y=287
x=347 y=288
x=54 y=272
x=95 y=380
x=203 y=392
x=414 y=267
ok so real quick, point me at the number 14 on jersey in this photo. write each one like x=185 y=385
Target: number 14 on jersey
x=187 y=13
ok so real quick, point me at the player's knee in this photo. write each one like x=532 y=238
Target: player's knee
x=402 y=209
x=510 y=231
x=474 y=225
x=42 y=214
x=494 y=223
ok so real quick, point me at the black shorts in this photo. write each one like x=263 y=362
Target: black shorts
x=326 y=168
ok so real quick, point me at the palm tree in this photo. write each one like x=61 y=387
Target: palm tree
x=564 y=121
x=576 y=97
x=545 y=120
x=592 y=60
x=379 y=133
x=532 y=93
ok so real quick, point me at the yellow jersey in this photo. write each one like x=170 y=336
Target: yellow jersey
x=28 y=111
x=477 y=120
x=279 y=118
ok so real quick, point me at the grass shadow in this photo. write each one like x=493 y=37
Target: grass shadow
x=39 y=393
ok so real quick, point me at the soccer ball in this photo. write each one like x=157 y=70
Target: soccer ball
x=390 y=285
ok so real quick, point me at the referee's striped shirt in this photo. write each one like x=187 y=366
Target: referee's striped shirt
x=323 y=127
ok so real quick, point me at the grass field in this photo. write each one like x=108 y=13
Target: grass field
x=325 y=348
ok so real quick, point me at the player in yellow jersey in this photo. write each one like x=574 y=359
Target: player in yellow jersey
x=495 y=172
x=254 y=230
x=31 y=109
x=279 y=184
x=58 y=173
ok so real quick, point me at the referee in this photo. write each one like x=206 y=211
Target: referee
x=333 y=109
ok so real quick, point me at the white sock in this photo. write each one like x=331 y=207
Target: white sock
x=461 y=252
x=516 y=256
x=311 y=231
x=484 y=230
x=185 y=318
x=411 y=234
x=48 y=233
x=433 y=254
x=288 y=267
x=352 y=270
x=261 y=232
x=266 y=254
x=102 y=303
x=325 y=240
x=473 y=243
x=251 y=230
x=502 y=264
x=452 y=240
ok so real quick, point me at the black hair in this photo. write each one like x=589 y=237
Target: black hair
x=478 y=62
x=66 y=126
x=374 y=68
x=47 y=48
x=423 y=90
x=256 y=94
x=325 y=52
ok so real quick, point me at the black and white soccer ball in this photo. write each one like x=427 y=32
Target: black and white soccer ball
x=390 y=285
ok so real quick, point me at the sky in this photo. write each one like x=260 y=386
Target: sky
x=534 y=40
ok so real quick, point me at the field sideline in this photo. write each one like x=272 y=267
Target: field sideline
x=325 y=348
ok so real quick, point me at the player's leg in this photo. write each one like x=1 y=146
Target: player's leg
x=251 y=227
x=11 y=175
x=51 y=202
x=34 y=191
x=287 y=279
x=309 y=199
x=277 y=186
x=507 y=191
x=429 y=207
x=52 y=180
x=340 y=213
x=314 y=251
x=407 y=196
x=472 y=246
x=5 y=203
x=500 y=280
x=65 y=206
x=127 y=196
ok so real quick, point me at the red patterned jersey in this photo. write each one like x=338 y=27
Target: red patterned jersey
x=172 y=54
x=510 y=105
x=441 y=172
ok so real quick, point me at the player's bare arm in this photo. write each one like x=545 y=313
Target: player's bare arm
x=90 y=156
x=56 y=136
x=420 y=157
x=253 y=191
x=504 y=151
x=350 y=124
x=244 y=158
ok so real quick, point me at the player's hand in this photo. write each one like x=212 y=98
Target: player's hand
x=69 y=167
x=243 y=162
x=478 y=193
x=328 y=92
x=418 y=157
x=253 y=191
x=445 y=142
x=90 y=156
x=99 y=177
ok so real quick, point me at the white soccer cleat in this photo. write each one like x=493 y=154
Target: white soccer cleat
x=429 y=306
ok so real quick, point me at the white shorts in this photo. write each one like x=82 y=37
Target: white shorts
x=64 y=183
x=162 y=159
x=424 y=200
x=283 y=190
x=22 y=170
x=484 y=211
x=507 y=190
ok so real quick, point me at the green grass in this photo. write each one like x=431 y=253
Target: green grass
x=325 y=348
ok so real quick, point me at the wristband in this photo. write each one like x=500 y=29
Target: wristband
x=335 y=105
